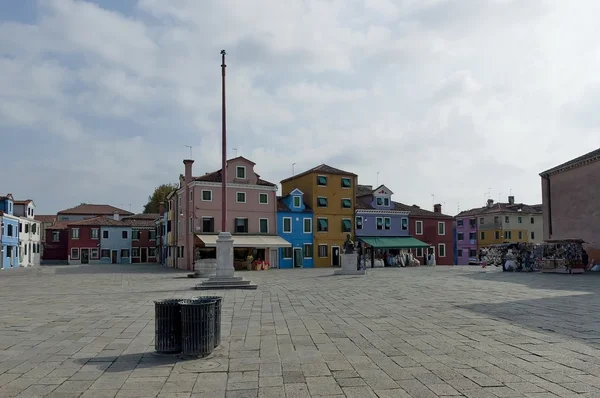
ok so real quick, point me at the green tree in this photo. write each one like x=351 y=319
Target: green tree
x=159 y=195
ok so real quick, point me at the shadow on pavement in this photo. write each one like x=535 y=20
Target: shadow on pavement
x=129 y=362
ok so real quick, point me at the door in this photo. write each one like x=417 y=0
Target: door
x=85 y=256
x=274 y=258
x=113 y=256
x=144 y=254
x=298 y=258
x=335 y=256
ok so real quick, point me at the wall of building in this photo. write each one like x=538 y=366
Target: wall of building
x=116 y=242
x=56 y=251
x=10 y=244
x=85 y=241
x=466 y=247
x=430 y=235
x=144 y=244
x=298 y=238
x=29 y=242
x=369 y=224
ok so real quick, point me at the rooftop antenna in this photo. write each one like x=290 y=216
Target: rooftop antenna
x=189 y=146
x=510 y=192
x=235 y=149
x=457 y=207
x=432 y=198
x=377 y=179
x=293 y=174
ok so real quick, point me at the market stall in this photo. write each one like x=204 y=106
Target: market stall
x=375 y=252
x=563 y=256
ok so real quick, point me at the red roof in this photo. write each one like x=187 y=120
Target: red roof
x=58 y=226
x=45 y=218
x=215 y=176
x=140 y=223
x=322 y=168
x=96 y=210
x=99 y=221
x=23 y=202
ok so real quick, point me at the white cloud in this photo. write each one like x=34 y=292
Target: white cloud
x=438 y=96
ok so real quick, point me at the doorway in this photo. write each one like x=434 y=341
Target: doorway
x=85 y=256
x=298 y=258
x=113 y=256
x=144 y=253
x=274 y=258
x=335 y=256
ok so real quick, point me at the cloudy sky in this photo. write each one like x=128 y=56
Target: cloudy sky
x=447 y=97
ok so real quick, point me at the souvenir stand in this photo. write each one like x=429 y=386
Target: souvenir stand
x=563 y=256
x=523 y=257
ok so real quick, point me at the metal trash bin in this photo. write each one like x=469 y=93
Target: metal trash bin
x=198 y=327
x=167 y=326
x=218 y=304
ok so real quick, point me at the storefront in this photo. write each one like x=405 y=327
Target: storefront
x=390 y=251
x=247 y=249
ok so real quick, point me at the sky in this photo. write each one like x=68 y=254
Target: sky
x=440 y=100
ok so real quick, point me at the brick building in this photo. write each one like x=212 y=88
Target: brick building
x=570 y=201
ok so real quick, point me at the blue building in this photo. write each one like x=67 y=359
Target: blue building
x=115 y=242
x=295 y=225
x=9 y=234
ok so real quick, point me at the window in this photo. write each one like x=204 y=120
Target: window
x=322 y=225
x=386 y=201
x=152 y=234
x=240 y=172
x=104 y=234
x=322 y=251
x=191 y=195
x=419 y=227
x=321 y=201
x=507 y=235
x=472 y=222
x=135 y=235
x=482 y=235
x=506 y=219
x=151 y=252
x=27 y=228
x=135 y=252
x=520 y=235
x=297 y=201
x=263 y=225
x=94 y=254
x=496 y=219
x=25 y=249
x=307 y=225
x=460 y=236
x=460 y=253
x=208 y=224
x=520 y=220
x=387 y=222
x=94 y=233
x=404 y=224
x=459 y=223
x=442 y=250
x=105 y=253
x=419 y=252
x=532 y=235
x=55 y=236
x=74 y=253
x=359 y=222
x=379 y=201
x=532 y=220
x=346 y=182
x=441 y=228
x=124 y=253
x=34 y=228
x=346 y=203
x=379 y=222
x=75 y=233
x=472 y=235
x=124 y=234
x=20 y=227
x=497 y=234
x=481 y=220
x=241 y=225
x=322 y=181
x=9 y=252
x=207 y=196
x=9 y=231
x=240 y=197
x=472 y=252
x=287 y=225
x=308 y=250
x=263 y=198
x=179 y=201
x=287 y=252
x=346 y=225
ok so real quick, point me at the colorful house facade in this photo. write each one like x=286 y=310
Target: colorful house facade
x=376 y=214
x=466 y=237
x=172 y=249
x=9 y=234
x=29 y=233
x=143 y=237
x=90 y=210
x=295 y=225
x=435 y=229
x=331 y=194
x=56 y=244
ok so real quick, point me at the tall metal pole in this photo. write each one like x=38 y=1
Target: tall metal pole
x=224 y=151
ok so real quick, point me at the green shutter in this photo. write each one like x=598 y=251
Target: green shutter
x=322 y=180
x=346 y=203
x=346 y=225
x=345 y=182
x=322 y=224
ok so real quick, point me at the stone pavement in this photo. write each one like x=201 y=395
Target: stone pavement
x=424 y=332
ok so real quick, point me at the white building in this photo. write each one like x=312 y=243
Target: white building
x=29 y=233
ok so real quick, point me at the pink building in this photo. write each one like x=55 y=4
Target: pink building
x=251 y=214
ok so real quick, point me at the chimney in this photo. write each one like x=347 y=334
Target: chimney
x=116 y=216
x=490 y=203
x=437 y=208
x=511 y=200
x=188 y=170
x=161 y=208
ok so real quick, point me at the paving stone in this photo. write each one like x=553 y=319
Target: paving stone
x=323 y=386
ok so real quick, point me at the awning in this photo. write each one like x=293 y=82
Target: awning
x=259 y=241
x=394 y=242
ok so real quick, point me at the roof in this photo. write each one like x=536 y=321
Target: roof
x=577 y=162
x=58 y=226
x=281 y=206
x=498 y=208
x=96 y=210
x=143 y=216
x=363 y=190
x=23 y=202
x=216 y=176
x=99 y=221
x=140 y=223
x=7 y=196
x=416 y=211
x=242 y=158
x=322 y=168
x=45 y=218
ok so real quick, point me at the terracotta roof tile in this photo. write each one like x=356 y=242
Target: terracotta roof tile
x=216 y=176
x=139 y=223
x=94 y=209
x=322 y=168
x=416 y=211
x=362 y=190
x=143 y=216
x=45 y=218
x=58 y=226
x=23 y=202
x=100 y=221
x=502 y=208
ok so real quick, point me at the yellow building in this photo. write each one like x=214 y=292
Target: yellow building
x=330 y=193
x=508 y=223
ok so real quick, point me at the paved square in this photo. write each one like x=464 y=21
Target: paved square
x=422 y=332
